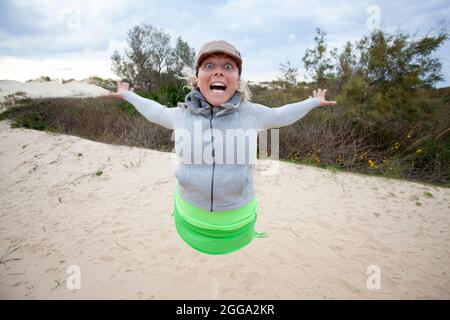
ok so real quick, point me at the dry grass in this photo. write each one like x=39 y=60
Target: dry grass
x=100 y=119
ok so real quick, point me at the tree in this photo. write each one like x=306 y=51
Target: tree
x=150 y=55
x=391 y=68
x=160 y=50
x=345 y=65
x=289 y=74
x=183 y=55
x=317 y=62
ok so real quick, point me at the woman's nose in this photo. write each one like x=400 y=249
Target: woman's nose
x=218 y=73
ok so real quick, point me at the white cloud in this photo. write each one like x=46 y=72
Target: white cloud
x=291 y=37
x=267 y=32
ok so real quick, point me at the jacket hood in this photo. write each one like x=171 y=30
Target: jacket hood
x=196 y=103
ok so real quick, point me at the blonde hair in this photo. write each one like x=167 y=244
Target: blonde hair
x=189 y=76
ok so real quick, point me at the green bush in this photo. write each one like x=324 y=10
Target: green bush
x=31 y=121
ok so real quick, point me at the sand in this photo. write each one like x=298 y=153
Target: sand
x=47 y=89
x=325 y=230
x=66 y=201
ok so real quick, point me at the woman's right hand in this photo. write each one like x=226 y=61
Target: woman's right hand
x=121 y=88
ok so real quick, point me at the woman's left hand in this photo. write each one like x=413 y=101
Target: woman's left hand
x=320 y=94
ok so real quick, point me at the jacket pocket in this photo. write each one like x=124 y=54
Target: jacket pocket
x=230 y=183
x=195 y=179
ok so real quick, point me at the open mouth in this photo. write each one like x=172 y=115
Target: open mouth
x=218 y=87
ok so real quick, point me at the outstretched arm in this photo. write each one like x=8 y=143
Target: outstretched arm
x=151 y=110
x=288 y=114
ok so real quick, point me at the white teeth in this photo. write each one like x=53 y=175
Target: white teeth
x=218 y=84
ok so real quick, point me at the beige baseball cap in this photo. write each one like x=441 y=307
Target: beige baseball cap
x=217 y=46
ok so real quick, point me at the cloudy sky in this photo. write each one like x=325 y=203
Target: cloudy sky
x=75 y=39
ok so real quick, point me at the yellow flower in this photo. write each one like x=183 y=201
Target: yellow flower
x=372 y=164
x=419 y=151
x=395 y=146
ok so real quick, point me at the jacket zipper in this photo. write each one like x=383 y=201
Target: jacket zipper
x=214 y=160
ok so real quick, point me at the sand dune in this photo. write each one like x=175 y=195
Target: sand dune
x=325 y=230
x=41 y=89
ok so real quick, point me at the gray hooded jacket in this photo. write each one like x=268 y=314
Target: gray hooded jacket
x=216 y=146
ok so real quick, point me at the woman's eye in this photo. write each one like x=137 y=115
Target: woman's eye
x=208 y=65
x=228 y=66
